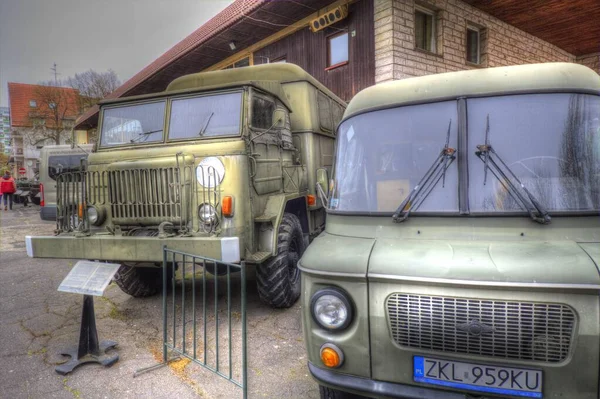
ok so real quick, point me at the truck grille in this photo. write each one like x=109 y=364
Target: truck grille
x=145 y=195
x=495 y=328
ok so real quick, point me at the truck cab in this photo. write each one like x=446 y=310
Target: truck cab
x=461 y=252
x=221 y=164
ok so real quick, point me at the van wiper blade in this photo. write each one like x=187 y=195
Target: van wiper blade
x=428 y=182
x=144 y=135
x=205 y=126
x=495 y=164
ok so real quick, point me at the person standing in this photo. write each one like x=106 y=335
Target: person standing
x=8 y=187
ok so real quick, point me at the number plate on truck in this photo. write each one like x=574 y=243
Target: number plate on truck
x=478 y=377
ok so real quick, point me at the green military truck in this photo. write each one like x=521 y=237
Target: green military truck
x=221 y=164
x=461 y=252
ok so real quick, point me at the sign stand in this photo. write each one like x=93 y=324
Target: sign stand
x=88 y=351
x=88 y=278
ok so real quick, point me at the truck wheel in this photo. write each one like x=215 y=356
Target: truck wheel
x=139 y=282
x=278 y=279
x=328 y=393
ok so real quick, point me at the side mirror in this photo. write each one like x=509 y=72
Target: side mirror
x=322 y=181
x=279 y=116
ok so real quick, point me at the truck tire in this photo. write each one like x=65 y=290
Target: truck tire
x=328 y=393
x=278 y=279
x=139 y=282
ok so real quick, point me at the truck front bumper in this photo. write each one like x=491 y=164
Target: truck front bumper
x=131 y=249
x=377 y=389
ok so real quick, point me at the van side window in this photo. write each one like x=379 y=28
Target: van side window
x=324 y=105
x=262 y=112
x=59 y=164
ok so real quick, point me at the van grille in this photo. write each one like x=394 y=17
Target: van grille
x=138 y=194
x=495 y=328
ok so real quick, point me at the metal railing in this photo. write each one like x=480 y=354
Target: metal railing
x=204 y=330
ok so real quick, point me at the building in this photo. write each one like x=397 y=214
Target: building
x=40 y=115
x=5 y=147
x=358 y=43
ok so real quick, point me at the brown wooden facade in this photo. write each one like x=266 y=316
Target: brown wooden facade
x=309 y=51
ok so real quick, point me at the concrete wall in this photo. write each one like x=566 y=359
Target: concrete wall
x=503 y=44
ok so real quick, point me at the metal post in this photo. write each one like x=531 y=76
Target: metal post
x=244 y=354
x=164 y=303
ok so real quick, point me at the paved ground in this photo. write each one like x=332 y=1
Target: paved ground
x=37 y=321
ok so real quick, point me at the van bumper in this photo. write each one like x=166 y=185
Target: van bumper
x=48 y=213
x=130 y=249
x=377 y=389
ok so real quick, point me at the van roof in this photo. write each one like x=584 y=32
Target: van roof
x=268 y=77
x=547 y=77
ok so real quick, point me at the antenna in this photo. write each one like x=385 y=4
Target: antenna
x=53 y=69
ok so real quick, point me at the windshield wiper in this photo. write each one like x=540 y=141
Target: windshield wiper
x=144 y=135
x=428 y=182
x=203 y=130
x=488 y=156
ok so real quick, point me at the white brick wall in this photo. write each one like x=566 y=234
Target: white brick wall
x=397 y=58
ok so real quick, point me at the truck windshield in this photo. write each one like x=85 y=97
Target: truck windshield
x=206 y=116
x=141 y=123
x=550 y=142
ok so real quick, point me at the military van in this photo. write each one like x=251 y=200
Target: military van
x=461 y=252
x=221 y=164
x=54 y=161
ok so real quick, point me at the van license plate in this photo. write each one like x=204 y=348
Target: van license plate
x=478 y=377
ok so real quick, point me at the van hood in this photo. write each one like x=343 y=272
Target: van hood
x=554 y=263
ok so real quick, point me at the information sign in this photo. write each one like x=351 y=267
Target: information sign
x=89 y=278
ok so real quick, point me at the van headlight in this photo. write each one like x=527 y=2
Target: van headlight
x=207 y=214
x=95 y=216
x=331 y=309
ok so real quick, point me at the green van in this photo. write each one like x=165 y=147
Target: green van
x=461 y=252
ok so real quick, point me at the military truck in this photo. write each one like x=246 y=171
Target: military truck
x=221 y=164
x=56 y=160
x=461 y=252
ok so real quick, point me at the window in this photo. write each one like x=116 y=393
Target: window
x=425 y=29
x=279 y=61
x=141 y=123
x=382 y=155
x=337 y=49
x=32 y=103
x=244 y=62
x=262 y=113
x=557 y=158
x=59 y=164
x=52 y=105
x=473 y=45
x=206 y=116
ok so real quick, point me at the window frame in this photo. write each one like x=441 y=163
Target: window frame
x=433 y=14
x=328 y=46
x=267 y=97
x=32 y=104
x=143 y=102
x=478 y=31
x=168 y=117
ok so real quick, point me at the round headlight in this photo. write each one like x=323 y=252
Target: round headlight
x=95 y=216
x=207 y=214
x=331 y=309
x=210 y=172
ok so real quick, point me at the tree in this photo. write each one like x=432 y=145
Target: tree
x=53 y=117
x=93 y=86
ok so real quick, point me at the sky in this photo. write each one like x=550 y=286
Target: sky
x=78 y=35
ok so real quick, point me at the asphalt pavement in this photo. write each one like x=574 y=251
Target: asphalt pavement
x=37 y=322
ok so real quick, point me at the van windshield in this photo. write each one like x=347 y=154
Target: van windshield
x=133 y=124
x=206 y=116
x=551 y=142
x=59 y=164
